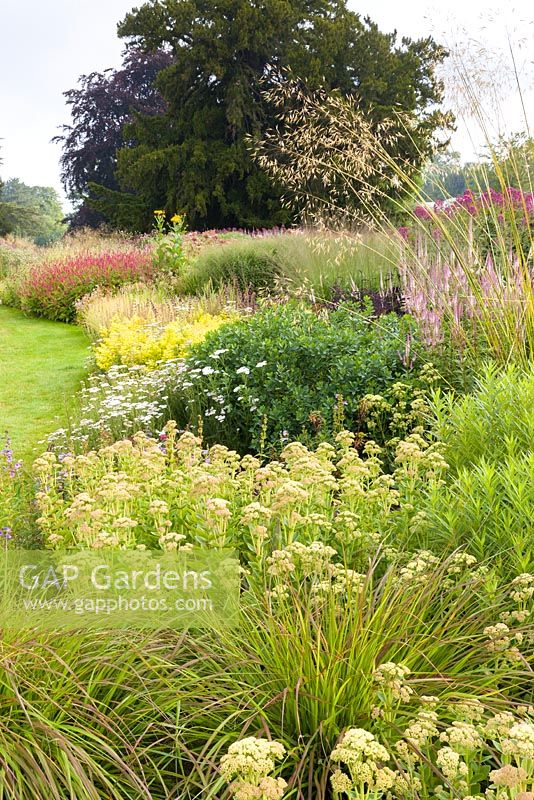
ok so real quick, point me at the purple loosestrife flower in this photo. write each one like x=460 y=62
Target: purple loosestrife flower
x=422 y=213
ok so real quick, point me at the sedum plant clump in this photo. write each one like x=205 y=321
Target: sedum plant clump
x=445 y=750
x=171 y=492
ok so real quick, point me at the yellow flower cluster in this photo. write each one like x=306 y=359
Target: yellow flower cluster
x=135 y=341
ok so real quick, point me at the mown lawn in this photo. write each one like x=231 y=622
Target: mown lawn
x=41 y=365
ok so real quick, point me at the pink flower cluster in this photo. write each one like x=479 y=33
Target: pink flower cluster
x=511 y=199
x=51 y=289
x=447 y=299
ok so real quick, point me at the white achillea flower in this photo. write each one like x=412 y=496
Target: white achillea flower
x=242 y=371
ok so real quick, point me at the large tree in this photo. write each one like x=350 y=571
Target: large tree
x=100 y=107
x=194 y=158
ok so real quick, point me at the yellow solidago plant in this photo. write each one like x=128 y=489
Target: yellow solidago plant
x=136 y=341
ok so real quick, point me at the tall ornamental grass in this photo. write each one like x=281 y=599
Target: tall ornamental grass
x=466 y=270
x=298 y=261
x=154 y=304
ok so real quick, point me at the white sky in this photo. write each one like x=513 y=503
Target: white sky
x=45 y=45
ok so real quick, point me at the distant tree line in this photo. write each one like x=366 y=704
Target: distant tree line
x=31 y=211
x=510 y=160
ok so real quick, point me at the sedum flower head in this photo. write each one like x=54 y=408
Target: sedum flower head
x=520 y=741
x=509 y=776
x=462 y=736
x=251 y=759
x=451 y=764
x=392 y=677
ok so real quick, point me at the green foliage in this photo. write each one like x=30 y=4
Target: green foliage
x=287 y=372
x=168 y=253
x=493 y=422
x=487 y=503
x=194 y=157
x=444 y=177
x=35 y=211
x=508 y=161
x=488 y=508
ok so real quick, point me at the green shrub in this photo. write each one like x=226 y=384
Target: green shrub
x=249 y=263
x=287 y=373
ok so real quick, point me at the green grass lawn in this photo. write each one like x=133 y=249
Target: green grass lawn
x=41 y=365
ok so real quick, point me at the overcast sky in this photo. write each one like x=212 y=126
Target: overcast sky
x=46 y=44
